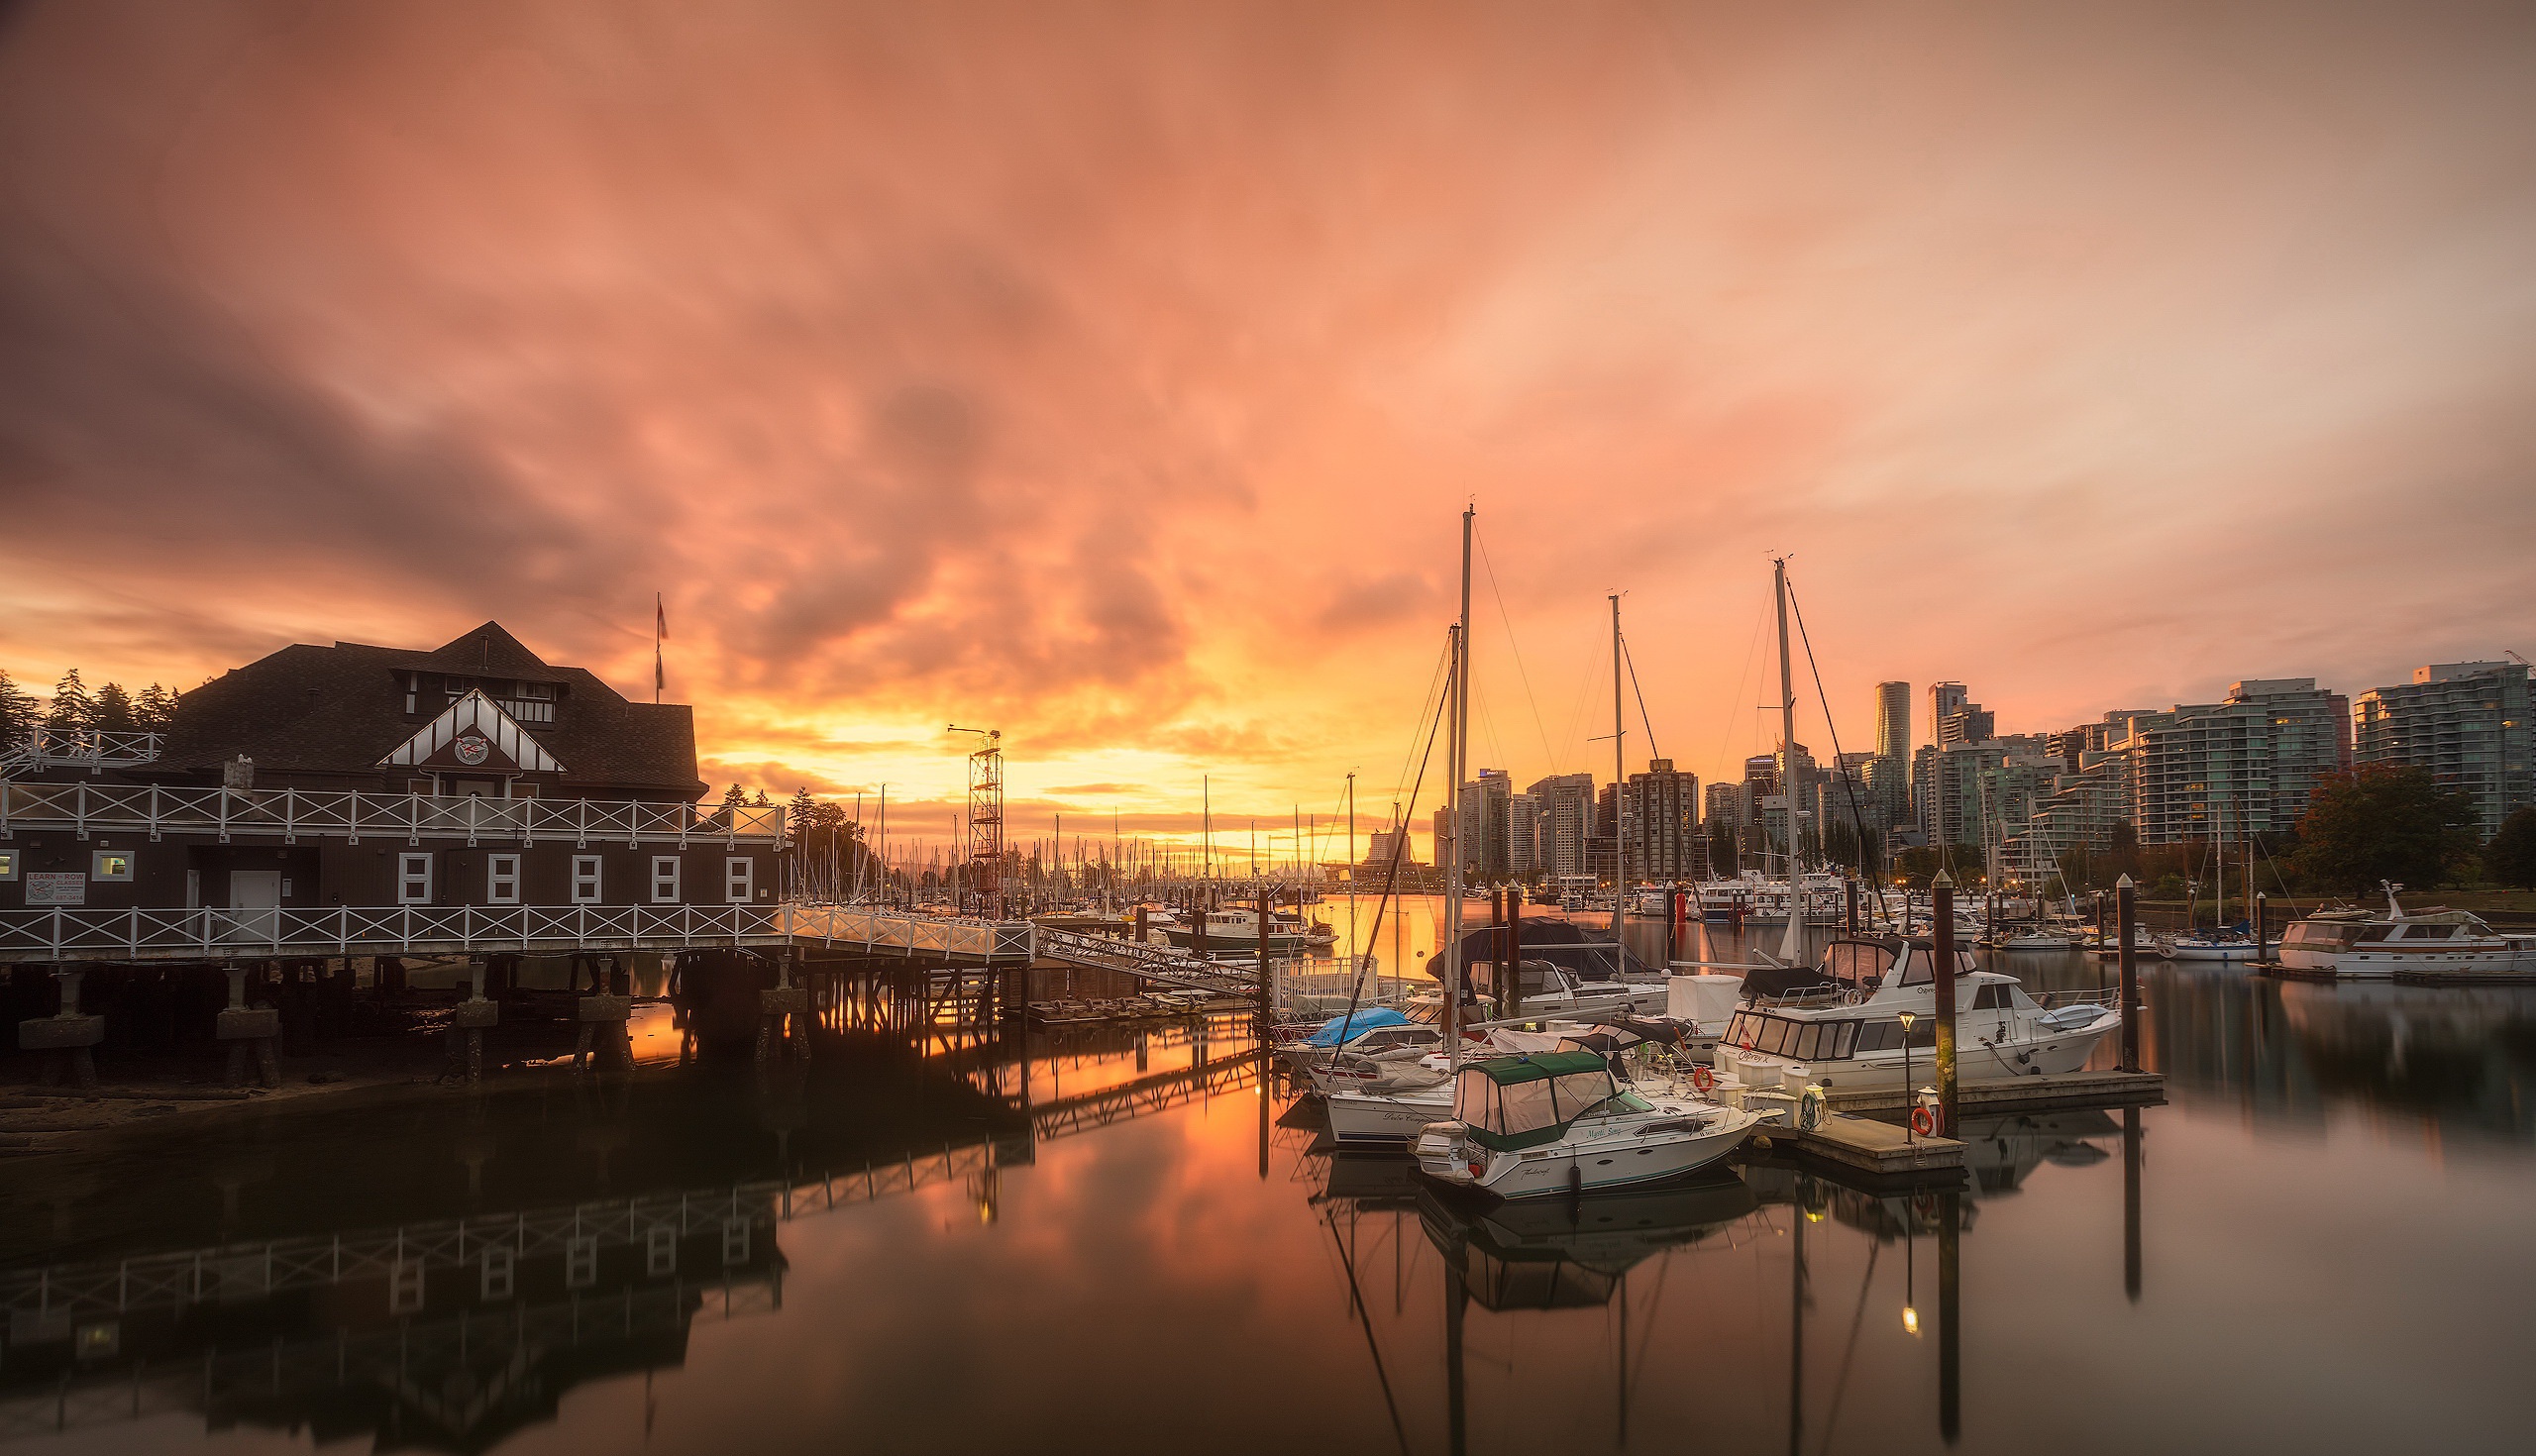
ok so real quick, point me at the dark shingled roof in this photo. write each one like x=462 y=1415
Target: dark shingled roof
x=338 y=710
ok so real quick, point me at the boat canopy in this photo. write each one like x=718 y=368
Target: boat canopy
x=1524 y=1102
x=1340 y=1028
x=1562 y=943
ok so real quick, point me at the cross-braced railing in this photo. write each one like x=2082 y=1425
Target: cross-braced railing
x=291 y=813
x=97 y=934
x=77 y=748
x=931 y=937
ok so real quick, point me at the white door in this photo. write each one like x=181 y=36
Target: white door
x=255 y=900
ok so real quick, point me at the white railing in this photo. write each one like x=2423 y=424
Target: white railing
x=80 y=749
x=90 y=934
x=902 y=933
x=228 y=934
x=90 y=809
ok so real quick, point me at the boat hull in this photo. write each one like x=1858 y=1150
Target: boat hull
x=1975 y=1061
x=1360 y=1121
x=1625 y=1159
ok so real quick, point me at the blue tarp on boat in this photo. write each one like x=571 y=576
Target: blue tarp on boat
x=1363 y=1022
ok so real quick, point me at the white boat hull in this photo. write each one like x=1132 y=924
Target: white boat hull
x=1975 y=1061
x=1363 y=1120
x=1628 y=1157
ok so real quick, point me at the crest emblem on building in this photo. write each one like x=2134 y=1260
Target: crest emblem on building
x=474 y=733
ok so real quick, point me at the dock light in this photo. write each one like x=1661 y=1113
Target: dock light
x=1911 y=1320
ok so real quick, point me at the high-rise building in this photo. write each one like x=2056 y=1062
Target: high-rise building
x=1661 y=818
x=2468 y=723
x=1485 y=825
x=1564 y=811
x=2248 y=763
x=1523 y=836
x=1945 y=699
x=1893 y=720
x=1446 y=849
x=1725 y=807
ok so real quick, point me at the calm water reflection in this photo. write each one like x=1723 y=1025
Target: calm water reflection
x=940 y=1236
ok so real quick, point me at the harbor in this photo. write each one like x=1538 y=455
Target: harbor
x=1430 y=729
x=668 y=1251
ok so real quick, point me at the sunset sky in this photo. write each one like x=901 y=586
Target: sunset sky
x=1112 y=374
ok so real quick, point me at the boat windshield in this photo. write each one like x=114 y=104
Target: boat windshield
x=1526 y=1101
x=1857 y=964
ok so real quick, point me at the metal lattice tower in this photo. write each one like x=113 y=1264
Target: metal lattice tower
x=986 y=819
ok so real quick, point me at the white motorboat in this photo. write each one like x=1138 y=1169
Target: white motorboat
x=2033 y=939
x=1843 y=1029
x=1390 y=1117
x=1556 y=1122
x=2437 y=941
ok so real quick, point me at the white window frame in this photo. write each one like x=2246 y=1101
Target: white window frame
x=501 y=880
x=739 y=879
x=665 y=879
x=415 y=874
x=99 y=874
x=587 y=872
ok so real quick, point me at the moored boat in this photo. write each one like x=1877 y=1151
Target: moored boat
x=1554 y=1122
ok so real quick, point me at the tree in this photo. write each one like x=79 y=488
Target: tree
x=761 y=800
x=72 y=710
x=19 y=714
x=2384 y=822
x=2510 y=858
x=734 y=798
x=1721 y=851
x=113 y=712
x=157 y=709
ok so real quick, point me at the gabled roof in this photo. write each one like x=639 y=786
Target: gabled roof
x=474 y=733
x=337 y=709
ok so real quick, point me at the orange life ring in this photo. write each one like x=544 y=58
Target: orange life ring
x=1703 y=1078
x=1924 y=1122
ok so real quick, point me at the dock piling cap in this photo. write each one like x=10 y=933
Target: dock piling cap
x=2123 y=883
x=1943 y=879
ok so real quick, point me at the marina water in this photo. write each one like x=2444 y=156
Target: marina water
x=942 y=1238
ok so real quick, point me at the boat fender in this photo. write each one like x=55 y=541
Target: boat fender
x=1923 y=1123
x=1575 y=1181
x=1702 y=1079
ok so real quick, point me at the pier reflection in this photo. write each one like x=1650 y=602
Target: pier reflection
x=437 y=1270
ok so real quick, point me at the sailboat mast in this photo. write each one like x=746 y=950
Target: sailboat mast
x=1792 y=944
x=1461 y=831
x=1620 y=797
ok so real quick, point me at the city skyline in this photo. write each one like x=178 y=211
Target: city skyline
x=1665 y=293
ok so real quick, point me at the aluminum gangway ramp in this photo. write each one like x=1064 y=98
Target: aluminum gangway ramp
x=1151 y=963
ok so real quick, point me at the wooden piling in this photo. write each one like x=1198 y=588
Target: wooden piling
x=1942 y=948
x=2126 y=928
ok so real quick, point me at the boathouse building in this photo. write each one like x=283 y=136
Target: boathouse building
x=472 y=775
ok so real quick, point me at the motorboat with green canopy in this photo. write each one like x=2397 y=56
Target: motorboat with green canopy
x=1550 y=1122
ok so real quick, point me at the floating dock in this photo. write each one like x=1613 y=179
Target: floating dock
x=2020 y=1093
x=1879 y=1149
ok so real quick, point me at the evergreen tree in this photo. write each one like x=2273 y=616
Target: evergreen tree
x=2384 y=822
x=113 y=712
x=19 y=714
x=72 y=710
x=157 y=709
x=2510 y=858
x=804 y=809
x=1721 y=851
x=761 y=800
x=734 y=798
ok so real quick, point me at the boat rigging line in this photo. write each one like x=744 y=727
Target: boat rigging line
x=1512 y=649
x=1847 y=785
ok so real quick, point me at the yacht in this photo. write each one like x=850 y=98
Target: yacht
x=1237 y=930
x=1841 y=1025
x=2430 y=939
x=1556 y=1122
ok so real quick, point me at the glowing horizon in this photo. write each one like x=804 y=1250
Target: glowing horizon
x=1115 y=377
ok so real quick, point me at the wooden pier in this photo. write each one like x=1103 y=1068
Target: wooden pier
x=1878 y=1149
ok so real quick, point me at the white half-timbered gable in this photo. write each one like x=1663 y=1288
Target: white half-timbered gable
x=474 y=734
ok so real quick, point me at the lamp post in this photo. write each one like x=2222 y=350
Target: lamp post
x=1908 y=1093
